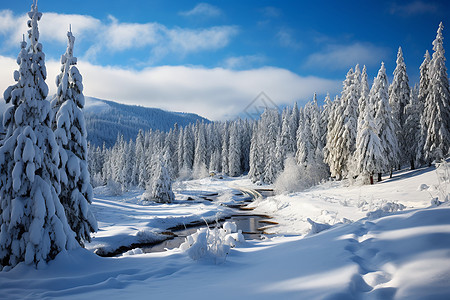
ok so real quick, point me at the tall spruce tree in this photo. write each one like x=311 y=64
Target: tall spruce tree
x=436 y=113
x=71 y=135
x=412 y=127
x=34 y=227
x=399 y=93
x=384 y=124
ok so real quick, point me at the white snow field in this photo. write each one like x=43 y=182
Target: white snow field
x=403 y=254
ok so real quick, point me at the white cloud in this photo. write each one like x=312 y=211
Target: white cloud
x=413 y=8
x=243 y=62
x=214 y=93
x=346 y=56
x=286 y=39
x=192 y=40
x=123 y=36
x=115 y=36
x=202 y=10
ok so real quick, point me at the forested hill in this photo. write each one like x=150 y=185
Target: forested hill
x=105 y=119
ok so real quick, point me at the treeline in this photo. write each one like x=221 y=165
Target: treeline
x=366 y=131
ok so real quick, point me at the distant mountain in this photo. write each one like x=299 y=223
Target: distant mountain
x=105 y=119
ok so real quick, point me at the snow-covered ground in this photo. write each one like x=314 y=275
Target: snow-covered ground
x=399 y=255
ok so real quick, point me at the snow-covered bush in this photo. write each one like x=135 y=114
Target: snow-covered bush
x=212 y=244
x=443 y=174
x=295 y=178
x=386 y=208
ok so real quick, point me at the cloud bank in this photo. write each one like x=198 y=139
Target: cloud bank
x=216 y=93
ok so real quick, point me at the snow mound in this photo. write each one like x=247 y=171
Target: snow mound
x=212 y=244
x=387 y=208
x=133 y=252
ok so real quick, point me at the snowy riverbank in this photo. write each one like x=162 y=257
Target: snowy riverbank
x=403 y=255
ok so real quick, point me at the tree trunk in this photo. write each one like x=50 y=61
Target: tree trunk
x=390 y=173
x=412 y=164
x=371 y=179
x=379 y=177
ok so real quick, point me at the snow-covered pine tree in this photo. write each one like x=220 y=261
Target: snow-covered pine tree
x=399 y=92
x=270 y=121
x=412 y=127
x=71 y=135
x=160 y=190
x=364 y=98
x=369 y=151
x=188 y=148
x=225 y=147
x=436 y=129
x=341 y=137
x=349 y=100
x=180 y=151
x=324 y=117
x=305 y=146
x=331 y=154
x=234 y=150
x=256 y=155
x=285 y=140
x=424 y=87
x=34 y=227
x=384 y=124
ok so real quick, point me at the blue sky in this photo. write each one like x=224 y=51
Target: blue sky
x=214 y=57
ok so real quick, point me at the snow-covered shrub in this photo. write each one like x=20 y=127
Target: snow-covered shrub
x=387 y=208
x=295 y=178
x=115 y=188
x=212 y=244
x=443 y=174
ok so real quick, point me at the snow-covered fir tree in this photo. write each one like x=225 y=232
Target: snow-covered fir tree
x=399 y=92
x=34 y=227
x=70 y=133
x=424 y=86
x=369 y=151
x=234 y=150
x=225 y=147
x=160 y=189
x=412 y=128
x=364 y=97
x=188 y=148
x=436 y=113
x=384 y=124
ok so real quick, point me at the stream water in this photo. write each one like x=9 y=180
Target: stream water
x=252 y=227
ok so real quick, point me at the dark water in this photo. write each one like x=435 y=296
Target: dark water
x=251 y=226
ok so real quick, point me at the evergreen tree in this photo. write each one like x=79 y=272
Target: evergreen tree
x=384 y=124
x=369 y=151
x=398 y=98
x=70 y=133
x=424 y=87
x=188 y=148
x=161 y=186
x=436 y=129
x=34 y=227
x=412 y=127
x=234 y=152
x=364 y=97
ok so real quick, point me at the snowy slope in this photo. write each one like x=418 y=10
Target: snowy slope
x=105 y=119
x=400 y=255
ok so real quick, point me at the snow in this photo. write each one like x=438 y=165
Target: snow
x=402 y=255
